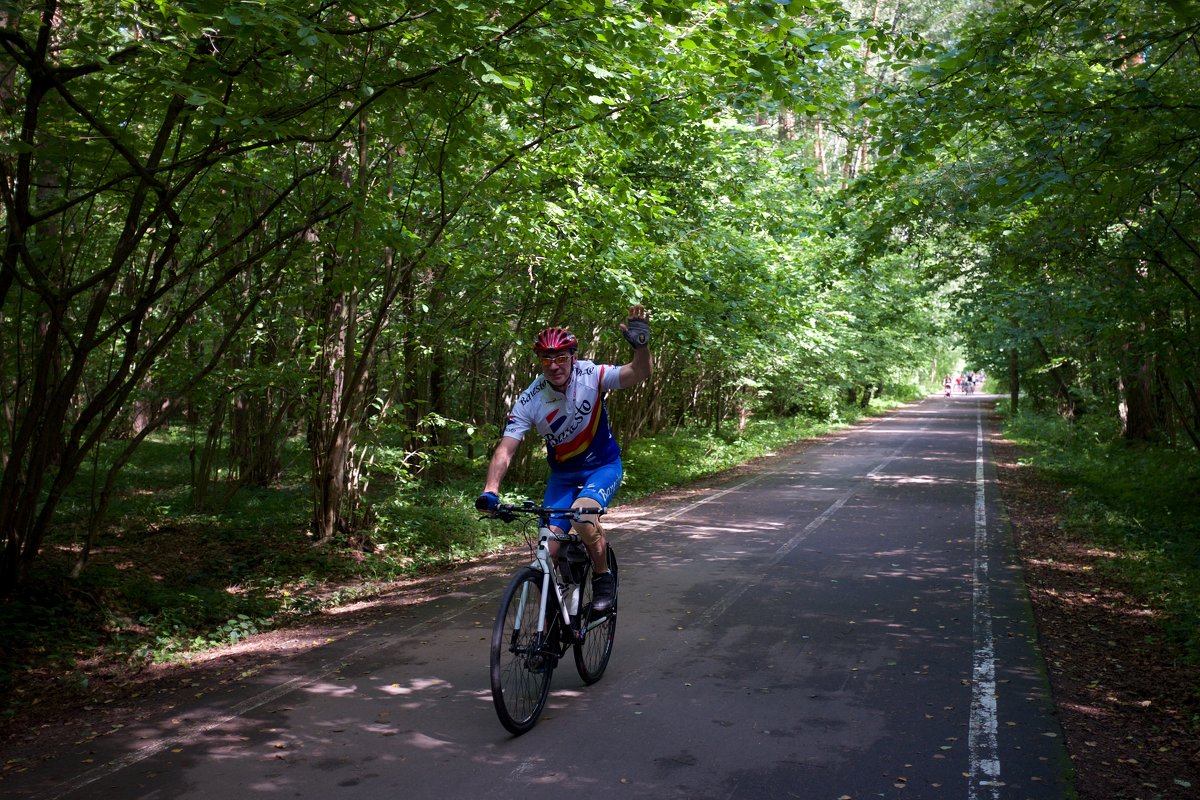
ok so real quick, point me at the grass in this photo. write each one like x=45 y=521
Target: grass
x=1139 y=502
x=165 y=581
x=656 y=463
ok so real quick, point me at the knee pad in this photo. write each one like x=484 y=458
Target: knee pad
x=587 y=527
x=590 y=532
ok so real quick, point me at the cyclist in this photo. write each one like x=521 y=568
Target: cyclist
x=565 y=404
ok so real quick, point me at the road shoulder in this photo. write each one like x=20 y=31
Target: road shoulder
x=1122 y=699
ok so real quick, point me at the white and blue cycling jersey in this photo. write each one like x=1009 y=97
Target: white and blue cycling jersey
x=574 y=424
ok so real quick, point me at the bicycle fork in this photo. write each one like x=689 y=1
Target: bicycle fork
x=541 y=643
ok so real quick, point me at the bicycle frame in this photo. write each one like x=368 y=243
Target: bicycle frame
x=529 y=637
x=551 y=575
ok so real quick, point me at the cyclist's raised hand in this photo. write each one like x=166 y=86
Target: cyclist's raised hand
x=488 y=501
x=637 y=329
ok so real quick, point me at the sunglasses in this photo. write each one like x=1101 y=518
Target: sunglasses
x=560 y=359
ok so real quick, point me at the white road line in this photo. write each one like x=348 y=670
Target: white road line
x=643 y=523
x=718 y=608
x=983 y=780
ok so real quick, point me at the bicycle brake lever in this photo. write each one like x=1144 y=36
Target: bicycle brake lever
x=577 y=513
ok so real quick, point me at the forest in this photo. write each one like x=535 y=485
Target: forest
x=276 y=265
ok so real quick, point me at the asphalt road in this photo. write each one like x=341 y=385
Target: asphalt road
x=845 y=622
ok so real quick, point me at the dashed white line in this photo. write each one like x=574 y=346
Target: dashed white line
x=713 y=612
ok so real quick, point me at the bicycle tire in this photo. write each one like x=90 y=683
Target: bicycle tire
x=521 y=666
x=593 y=652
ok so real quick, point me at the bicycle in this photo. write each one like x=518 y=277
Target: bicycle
x=546 y=611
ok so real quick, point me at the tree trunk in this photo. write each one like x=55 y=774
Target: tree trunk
x=1136 y=406
x=341 y=376
x=1194 y=396
x=819 y=149
x=202 y=471
x=787 y=125
x=255 y=437
x=1014 y=381
x=1183 y=422
x=1068 y=401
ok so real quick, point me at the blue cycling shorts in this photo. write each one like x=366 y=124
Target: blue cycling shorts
x=564 y=488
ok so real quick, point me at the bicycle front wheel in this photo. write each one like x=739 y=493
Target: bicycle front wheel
x=593 y=650
x=522 y=663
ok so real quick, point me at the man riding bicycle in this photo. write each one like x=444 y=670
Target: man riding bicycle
x=565 y=404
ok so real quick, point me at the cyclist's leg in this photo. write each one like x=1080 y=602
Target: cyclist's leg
x=592 y=534
x=599 y=487
x=560 y=493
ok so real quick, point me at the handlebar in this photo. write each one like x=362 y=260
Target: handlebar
x=509 y=513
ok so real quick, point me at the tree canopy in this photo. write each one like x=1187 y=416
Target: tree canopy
x=344 y=222
x=1047 y=153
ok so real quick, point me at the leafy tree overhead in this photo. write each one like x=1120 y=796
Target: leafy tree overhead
x=315 y=239
x=191 y=191
x=1049 y=149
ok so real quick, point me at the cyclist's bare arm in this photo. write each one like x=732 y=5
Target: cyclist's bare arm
x=638 y=369
x=641 y=365
x=501 y=458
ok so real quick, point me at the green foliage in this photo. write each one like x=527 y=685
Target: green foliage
x=687 y=454
x=1140 y=504
x=426 y=527
x=659 y=462
x=303 y=267
x=328 y=221
x=173 y=583
x=1043 y=157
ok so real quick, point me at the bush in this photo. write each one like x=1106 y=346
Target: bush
x=165 y=581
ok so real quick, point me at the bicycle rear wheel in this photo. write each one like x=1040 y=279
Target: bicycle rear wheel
x=592 y=653
x=522 y=663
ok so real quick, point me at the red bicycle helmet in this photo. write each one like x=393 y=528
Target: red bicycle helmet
x=555 y=339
